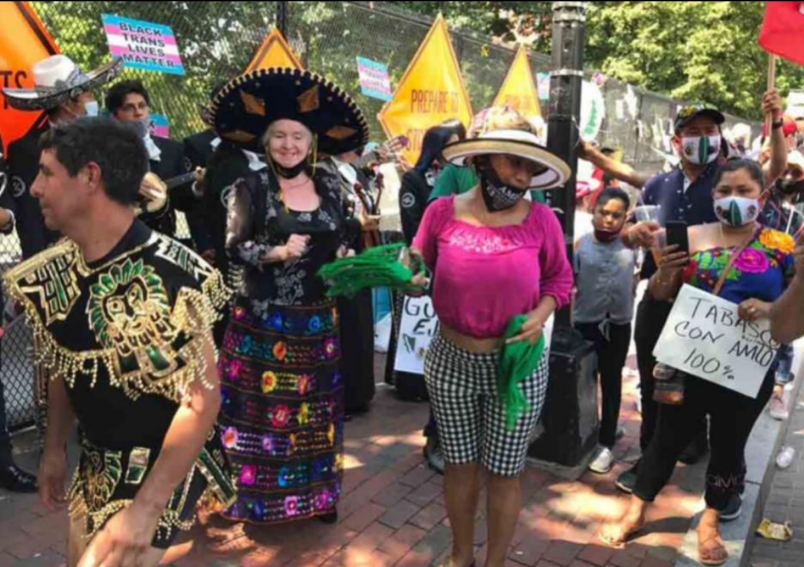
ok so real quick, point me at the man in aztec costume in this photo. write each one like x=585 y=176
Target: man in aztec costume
x=123 y=319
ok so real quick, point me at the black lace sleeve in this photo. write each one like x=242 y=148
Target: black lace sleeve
x=244 y=244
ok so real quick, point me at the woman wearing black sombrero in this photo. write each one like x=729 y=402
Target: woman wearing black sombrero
x=500 y=270
x=282 y=410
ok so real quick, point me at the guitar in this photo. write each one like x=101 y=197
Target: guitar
x=157 y=203
x=371 y=207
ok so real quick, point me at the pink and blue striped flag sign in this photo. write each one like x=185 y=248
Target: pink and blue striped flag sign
x=143 y=45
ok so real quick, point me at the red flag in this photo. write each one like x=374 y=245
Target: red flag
x=783 y=30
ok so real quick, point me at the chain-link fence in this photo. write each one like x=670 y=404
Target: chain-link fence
x=218 y=39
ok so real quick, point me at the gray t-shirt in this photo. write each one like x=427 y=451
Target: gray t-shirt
x=604 y=277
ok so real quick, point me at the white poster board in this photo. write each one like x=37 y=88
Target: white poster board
x=705 y=337
x=417 y=327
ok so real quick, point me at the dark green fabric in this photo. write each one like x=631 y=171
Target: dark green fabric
x=454 y=180
x=376 y=267
x=517 y=362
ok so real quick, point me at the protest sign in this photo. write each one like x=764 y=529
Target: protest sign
x=418 y=325
x=705 y=337
x=432 y=91
x=143 y=45
x=374 y=79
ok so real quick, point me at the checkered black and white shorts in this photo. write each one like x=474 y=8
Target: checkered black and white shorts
x=471 y=418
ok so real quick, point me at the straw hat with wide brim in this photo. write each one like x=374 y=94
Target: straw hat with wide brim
x=246 y=106
x=58 y=80
x=553 y=173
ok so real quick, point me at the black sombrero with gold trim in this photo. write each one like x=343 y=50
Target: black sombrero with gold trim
x=244 y=108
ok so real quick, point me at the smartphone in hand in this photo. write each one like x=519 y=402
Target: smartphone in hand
x=678 y=234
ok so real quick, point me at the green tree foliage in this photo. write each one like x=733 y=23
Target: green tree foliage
x=701 y=51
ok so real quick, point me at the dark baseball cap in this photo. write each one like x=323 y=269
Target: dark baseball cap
x=692 y=111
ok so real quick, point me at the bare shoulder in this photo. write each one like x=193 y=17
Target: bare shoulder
x=703 y=236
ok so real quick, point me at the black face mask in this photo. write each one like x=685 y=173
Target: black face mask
x=791 y=187
x=291 y=172
x=497 y=195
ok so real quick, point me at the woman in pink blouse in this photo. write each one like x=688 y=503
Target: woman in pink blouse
x=494 y=255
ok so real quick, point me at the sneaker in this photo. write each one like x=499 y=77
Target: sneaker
x=603 y=462
x=14 y=479
x=778 y=407
x=734 y=508
x=433 y=454
x=627 y=481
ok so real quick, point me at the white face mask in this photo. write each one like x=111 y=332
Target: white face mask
x=737 y=211
x=91 y=108
x=700 y=150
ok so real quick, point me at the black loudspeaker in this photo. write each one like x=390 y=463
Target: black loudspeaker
x=570 y=414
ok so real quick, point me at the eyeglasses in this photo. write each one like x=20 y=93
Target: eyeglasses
x=132 y=107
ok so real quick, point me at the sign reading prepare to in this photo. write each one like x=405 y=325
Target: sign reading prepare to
x=143 y=45
x=706 y=338
x=430 y=92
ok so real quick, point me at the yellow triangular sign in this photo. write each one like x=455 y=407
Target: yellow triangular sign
x=430 y=92
x=274 y=52
x=519 y=88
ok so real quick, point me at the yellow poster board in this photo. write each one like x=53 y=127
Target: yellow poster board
x=430 y=92
x=274 y=52
x=24 y=41
x=519 y=89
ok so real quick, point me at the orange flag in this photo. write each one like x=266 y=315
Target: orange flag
x=24 y=41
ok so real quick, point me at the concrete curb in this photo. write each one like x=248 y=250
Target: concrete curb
x=763 y=446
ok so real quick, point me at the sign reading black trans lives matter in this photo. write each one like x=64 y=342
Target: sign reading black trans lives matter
x=143 y=45
x=705 y=337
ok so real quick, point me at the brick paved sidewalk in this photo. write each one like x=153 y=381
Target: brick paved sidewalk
x=392 y=513
x=786 y=502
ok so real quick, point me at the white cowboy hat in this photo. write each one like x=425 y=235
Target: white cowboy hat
x=57 y=80
x=520 y=143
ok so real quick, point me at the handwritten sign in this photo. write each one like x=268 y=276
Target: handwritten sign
x=143 y=45
x=418 y=326
x=705 y=337
x=374 y=79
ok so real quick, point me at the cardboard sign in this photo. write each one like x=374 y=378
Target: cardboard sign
x=24 y=41
x=432 y=91
x=519 y=88
x=374 y=79
x=143 y=45
x=418 y=325
x=274 y=52
x=705 y=337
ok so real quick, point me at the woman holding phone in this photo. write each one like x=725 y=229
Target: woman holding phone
x=742 y=262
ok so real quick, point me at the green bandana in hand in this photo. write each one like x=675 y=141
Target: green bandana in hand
x=375 y=267
x=517 y=362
